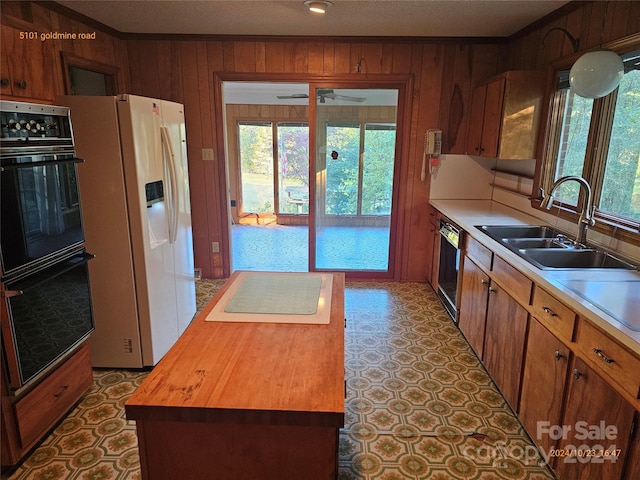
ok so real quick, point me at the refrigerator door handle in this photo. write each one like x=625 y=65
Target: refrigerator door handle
x=170 y=158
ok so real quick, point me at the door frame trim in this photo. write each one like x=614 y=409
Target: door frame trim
x=402 y=82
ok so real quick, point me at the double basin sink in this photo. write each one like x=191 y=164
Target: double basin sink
x=550 y=249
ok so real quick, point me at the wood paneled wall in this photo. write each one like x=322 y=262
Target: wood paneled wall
x=434 y=67
x=182 y=69
x=45 y=66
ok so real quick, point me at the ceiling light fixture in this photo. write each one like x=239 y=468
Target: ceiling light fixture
x=318 y=6
x=596 y=73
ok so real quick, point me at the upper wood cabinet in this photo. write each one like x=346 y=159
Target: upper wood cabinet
x=26 y=71
x=505 y=116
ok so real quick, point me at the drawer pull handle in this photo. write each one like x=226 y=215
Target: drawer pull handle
x=59 y=394
x=557 y=355
x=491 y=290
x=484 y=282
x=549 y=312
x=12 y=293
x=576 y=374
x=599 y=353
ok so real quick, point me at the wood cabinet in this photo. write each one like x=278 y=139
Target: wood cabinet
x=23 y=72
x=473 y=304
x=609 y=358
x=543 y=383
x=556 y=369
x=27 y=419
x=596 y=420
x=553 y=314
x=632 y=465
x=504 y=342
x=433 y=240
x=491 y=317
x=505 y=116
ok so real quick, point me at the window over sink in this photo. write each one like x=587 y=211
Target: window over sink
x=598 y=140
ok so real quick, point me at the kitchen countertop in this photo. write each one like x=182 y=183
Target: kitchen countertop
x=572 y=287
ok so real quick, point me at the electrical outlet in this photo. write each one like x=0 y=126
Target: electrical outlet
x=207 y=154
x=215 y=247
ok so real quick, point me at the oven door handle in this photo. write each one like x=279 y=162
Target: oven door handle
x=41 y=163
x=12 y=293
x=57 y=272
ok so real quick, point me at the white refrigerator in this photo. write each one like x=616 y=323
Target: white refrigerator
x=134 y=188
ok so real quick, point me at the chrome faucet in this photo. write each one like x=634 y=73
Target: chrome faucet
x=586 y=215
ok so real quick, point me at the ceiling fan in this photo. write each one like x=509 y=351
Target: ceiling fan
x=323 y=94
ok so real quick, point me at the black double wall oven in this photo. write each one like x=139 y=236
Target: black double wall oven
x=46 y=311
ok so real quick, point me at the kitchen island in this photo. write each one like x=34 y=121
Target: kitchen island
x=247 y=399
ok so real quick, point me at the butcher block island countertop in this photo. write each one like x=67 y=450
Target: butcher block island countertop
x=246 y=400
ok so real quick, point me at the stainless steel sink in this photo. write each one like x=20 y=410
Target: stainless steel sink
x=533 y=243
x=498 y=232
x=546 y=258
x=550 y=249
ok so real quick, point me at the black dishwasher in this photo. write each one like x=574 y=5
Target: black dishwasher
x=450 y=242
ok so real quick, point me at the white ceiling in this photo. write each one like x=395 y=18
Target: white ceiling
x=378 y=18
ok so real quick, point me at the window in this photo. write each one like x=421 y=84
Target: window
x=600 y=141
x=274 y=174
x=360 y=162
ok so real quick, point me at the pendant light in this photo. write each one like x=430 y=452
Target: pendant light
x=598 y=73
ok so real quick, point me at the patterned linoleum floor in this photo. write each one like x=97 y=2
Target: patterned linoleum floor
x=419 y=404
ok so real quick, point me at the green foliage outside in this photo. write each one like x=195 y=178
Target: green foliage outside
x=342 y=173
x=256 y=158
x=621 y=186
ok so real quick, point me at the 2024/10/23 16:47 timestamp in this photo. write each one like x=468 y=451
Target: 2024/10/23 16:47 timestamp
x=585 y=452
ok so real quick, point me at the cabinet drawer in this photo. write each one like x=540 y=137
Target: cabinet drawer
x=511 y=280
x=480 y=254
x=553 y=314
x=605 y=354
x=42 y=407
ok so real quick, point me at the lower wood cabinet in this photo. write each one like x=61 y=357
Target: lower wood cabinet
x=494 y=324
x=504 y=342
x=543 y=384
x=473 y=304
x=632 y=464
x=597 y=425
x=26 y=420
x=573 y=386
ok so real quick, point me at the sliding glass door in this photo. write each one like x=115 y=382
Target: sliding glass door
x=355 y=160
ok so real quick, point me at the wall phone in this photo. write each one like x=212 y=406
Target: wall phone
x=432 y=148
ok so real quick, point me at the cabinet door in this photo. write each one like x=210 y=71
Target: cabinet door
x=27 y=63
x=5 y=77
x=476 y=114
x=632 y=460
x=596 y=420
x=492 y=118
x=432 y=238
x=543 y=383
x=474 y=292
x=504 y=342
